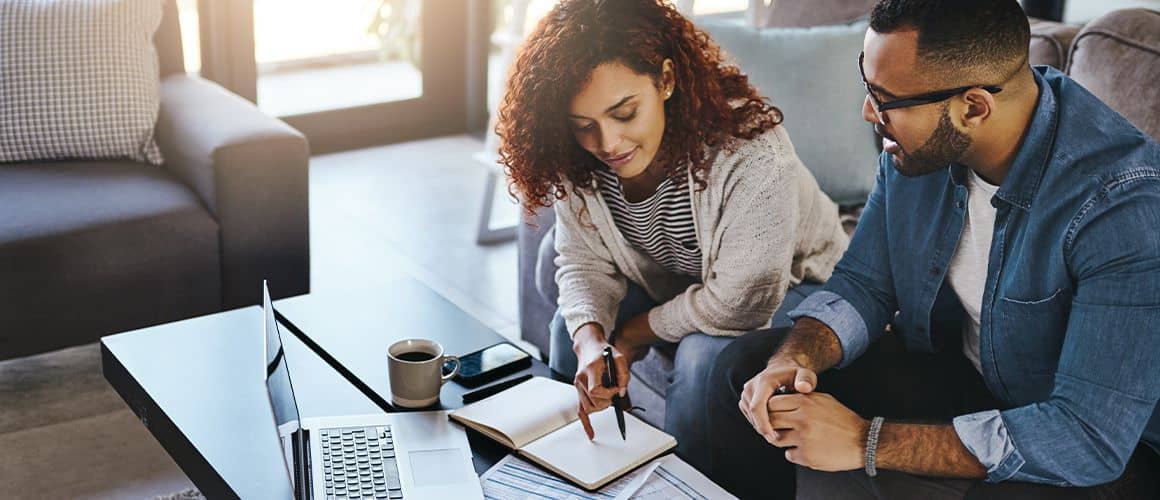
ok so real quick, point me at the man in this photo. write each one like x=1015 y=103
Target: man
x=1011 y=244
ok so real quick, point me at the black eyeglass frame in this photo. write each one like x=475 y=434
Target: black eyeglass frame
x=918 y=100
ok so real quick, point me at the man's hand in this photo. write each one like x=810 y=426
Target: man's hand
x=588 y=344
x=809 y=348
x=781 y=371
x=818 y=431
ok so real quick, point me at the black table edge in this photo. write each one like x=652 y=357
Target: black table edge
x=184 y=453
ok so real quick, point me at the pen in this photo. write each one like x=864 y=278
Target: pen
x=610 y=381
x=478 y=394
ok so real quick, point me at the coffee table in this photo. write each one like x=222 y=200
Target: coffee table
x=198 y=384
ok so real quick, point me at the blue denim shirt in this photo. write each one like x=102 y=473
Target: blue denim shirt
x=1070 y=319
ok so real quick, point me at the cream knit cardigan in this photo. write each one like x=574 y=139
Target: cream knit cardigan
x=762 y=224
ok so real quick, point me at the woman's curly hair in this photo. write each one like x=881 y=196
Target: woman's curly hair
x=712 y=104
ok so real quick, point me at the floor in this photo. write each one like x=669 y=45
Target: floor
x=401 y=210
x=412 y=209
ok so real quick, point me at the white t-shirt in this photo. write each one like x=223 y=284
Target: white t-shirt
x=968 y=269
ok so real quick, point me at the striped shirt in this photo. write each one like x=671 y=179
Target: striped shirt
x=661 y=225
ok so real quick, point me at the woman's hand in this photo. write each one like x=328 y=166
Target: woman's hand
x=589 y=344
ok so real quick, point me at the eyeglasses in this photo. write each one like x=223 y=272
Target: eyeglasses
x=880 y=107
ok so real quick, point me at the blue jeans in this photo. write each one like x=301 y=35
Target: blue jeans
x=685 y=396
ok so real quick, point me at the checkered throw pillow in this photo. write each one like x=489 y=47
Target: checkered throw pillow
x=78 y=79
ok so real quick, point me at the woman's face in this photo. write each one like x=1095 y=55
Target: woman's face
x=619 y=116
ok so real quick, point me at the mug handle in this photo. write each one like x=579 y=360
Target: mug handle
x=454 y=372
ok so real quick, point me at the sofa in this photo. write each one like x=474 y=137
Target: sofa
x=91 y=248
x=810 y=73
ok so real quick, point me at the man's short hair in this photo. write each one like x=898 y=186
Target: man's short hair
x=988 y=35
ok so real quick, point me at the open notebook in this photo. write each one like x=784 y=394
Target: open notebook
x=537 y=419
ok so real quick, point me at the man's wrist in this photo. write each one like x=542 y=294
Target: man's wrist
x=814 y=343
x=811 y=344
x=926 y=450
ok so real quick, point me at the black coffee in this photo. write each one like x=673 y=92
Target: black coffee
x=416 y=356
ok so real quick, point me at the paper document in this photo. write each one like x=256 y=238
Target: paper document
x=667 y=477
x=670 y=477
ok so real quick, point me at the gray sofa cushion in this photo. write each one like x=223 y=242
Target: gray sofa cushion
x=93 y=248
x=811 y=74
x=1117 y=58
x=78 y=79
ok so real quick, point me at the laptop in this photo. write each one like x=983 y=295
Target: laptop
x=416 y=455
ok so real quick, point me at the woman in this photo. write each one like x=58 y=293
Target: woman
x=683 y=213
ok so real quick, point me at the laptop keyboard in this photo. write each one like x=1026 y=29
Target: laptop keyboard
x=359 y=462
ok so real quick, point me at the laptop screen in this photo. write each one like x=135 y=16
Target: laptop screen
x=278 y=372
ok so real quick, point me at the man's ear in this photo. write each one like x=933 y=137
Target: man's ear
x=979 y=105
x=668 y=78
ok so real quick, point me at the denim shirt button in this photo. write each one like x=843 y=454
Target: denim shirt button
x=935 y=271
x=959 y=204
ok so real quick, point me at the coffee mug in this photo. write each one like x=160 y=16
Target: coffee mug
x=415 y=367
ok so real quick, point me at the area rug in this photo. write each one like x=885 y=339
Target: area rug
x=190 y=494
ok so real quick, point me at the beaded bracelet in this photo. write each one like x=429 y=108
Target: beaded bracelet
x=872 y=446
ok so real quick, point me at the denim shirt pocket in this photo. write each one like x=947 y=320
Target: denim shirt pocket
x=1031 y=333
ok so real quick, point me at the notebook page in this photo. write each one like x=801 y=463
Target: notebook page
x=524 y=412
x=592 y=463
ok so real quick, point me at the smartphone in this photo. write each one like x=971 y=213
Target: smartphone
x=491 y=363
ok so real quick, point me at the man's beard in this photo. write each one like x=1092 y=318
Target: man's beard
x=945 y=146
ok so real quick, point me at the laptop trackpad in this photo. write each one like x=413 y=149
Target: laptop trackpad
x=429 y=467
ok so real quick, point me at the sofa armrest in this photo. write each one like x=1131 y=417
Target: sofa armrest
x=250 y=170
